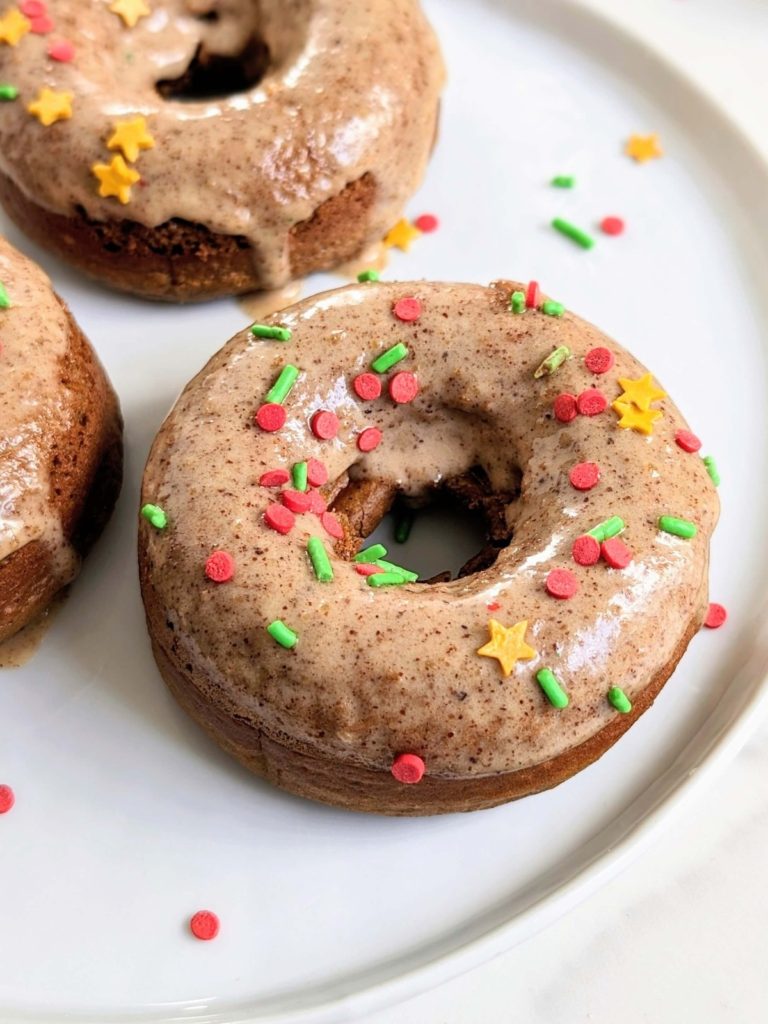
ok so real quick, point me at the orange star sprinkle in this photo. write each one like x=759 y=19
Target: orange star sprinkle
x=507 y=645
x=130 y=10
x=640 y=392
x=633 y=418
x=116 y=178
x=13 y=27
x=51 y=106
x=643 y=147
x=401 y=235
x=131 y=136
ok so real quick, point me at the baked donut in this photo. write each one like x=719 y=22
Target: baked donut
x=187 y=149
x=333 y=673
x=60 y=443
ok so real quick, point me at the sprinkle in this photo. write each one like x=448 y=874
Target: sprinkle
x=317 y=503
x=51 y=106
x=407 y=574
x=13 y=27
x=532 y=295
x=562 y=584
x=678 y=527
x=615 y=553
x=367 y=275
x=220 y=566
x=204 y=925
x=33 y=8
x=7 y=798
x=711 y=466
x=401 y=235
x=324 y=425
x=591 y=402
x=274 y=478
x=390 y=358
x=8 y=93
x=155 y=516
x=371 y=554
x=5 y=302
x=599 y=360
x=62 y=51
x=279 y=518
x=299 y=476
x=619 y=700
x=427 y=223
x=403 y=387
x=507 y=645
x=571 y=231
x=270 y=417
x=493 y=606
x=42 y=25
x=553 y=360
x=607 y=529
x=320 y=561
x=408 y=768
x=564 y=408
x=586 y=550
x=296 y=501
x=584 y=475
x=715 y=617
x=317 y=474
x=643 y=147
x=612 y=226
x=130 y=10
x=408 y=309
x=367 y=386
x=563 y=181
x=553 y=691
x=632 y=418
x=552 y=308
x=386 y=579
x=367 y=569
x=687 y=440
x=282 y=634
x=282 y=386
x=115 y=179
x=640 y=392
x=369 y=439
x=267 y=331
x=331 y=525
x=403 y=527
x=517 y=302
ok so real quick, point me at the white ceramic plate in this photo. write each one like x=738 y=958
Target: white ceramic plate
x=128 y=819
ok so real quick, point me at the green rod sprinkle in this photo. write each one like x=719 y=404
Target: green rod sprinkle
x=607 y=529
x=276 y=333
x=619 y=700
x=552 y=308
x=403 y=527
x=711 y=466
x=407 y=574
x=282 y=386
x=299 y=476
x=5 y=302
x=551 y=363
x=371 y=554
x=563 y=181
x=679 y=527
x=8 y=92
x=390 y=358
x=320 y=561
x=280 y=632
x=571 y=231
x=368 y=275
x=155 y=515
x=517 y=302
x=386 y=579
x=553 y=691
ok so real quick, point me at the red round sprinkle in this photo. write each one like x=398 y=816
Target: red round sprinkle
x=317 y=474
x=532 y=295
x=493 y=606
x=687 y=440
x=367 y=386
x=220 y=566
x=591 y=402
x=584 y=476
x=564 y=408
x=271 y=416
x=408 y=768
x=369 y=439
x=317 y=503
x=407 y=309
x=41 y=25
x=616 y=553
x=716 y=616
x=274 y=478
x=279 y=518
x=33 y=8
x=296 y=501
x=7 y=799
x=403 y=387
x=427 y=223
x=599 y=360
x=368 y=569
x=62 y=51
x=331 y=525
x=204 y=925
x=586 y=550
x=562 y=584
x=325 y=425
x=612 y=225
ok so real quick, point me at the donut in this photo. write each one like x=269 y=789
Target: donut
x=316 y=658
x=188 y=149
x=60 y=443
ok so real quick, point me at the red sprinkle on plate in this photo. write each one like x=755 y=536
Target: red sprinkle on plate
x=616 y=553
x=220 y=566
x=562 y=584
x=408 y=768
x=687 y=440
x=407 y=309
x=325 y=425
x=274 y=478
x=403 y=387
x=612 y=225
x=584 y=476
x=564 y=408
x=369 y=439
x=427 y=223
x=591 y=402
x=279 y=518
x=317 y=474
x=331 y=525
x=204 y=925
x=716 y=616
x=271 y=417
x=586 y=550
x=367 y=386
x=599 y=360
x=7 y=799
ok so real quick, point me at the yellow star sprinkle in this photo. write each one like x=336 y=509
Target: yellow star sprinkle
x=635 y=419
x=640 y=392
x=643 y=147
x=507 y=645
x=131 y=136
x=51 y=106
x=130 y=10
x=13 y=26
x=401 y=235
x=116 y=178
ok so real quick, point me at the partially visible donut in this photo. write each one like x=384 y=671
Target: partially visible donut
x=486 y=688
x=186 y=149
x=60 y=443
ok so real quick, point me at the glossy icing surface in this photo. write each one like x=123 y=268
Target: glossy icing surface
x=379 y=671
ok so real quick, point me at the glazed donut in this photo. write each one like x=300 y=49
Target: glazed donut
x=333 y=673
x=186 y=149
x=60 y=443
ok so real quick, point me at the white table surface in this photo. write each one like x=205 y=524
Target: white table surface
x=683 y=934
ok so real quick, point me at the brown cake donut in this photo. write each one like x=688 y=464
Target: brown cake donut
x=187 y=149
x=344 y=680
x=60 y=443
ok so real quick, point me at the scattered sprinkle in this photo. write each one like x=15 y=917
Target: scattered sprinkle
x=33 y=8
x=599 y=360
x=62 y=50
x=641 y=392
x=517 y=302
x=591 y=402
x=493 y=606
x=115 y=179
x=712 y=469
x=220 y=566
x=619 y=700
x=282 y=634
x=408 y=768
x=270 y=417
x=282 y=386
x=369 y=569
x=562 y=584
x=607 y=529
x=274 y=478
x=204 y=925
x=5 y=302
x=687 y=440
x=324 y=425
x=427 y=223
x=8 y=93
x=390 y=358
x=297 y=501
x=299 y=476
x=532 y=295
x=403 y=387
x=407 y=309
x=371 y=554
x=678 y=527
x=631 y=418
x=612 y=226
x=401 y=235
x=507 y=645
x=320 y=560
x=51 y=106
x=130 y=10
x=552 y=308
x=564 y=408
x=553 y=360
x=367 y=386
x=7 y=798
x=155 y=516
x=403 y=526
x=586 y=550
x=385 y=579
x=13 y=26
x=584 y=475
x=331 y=525
x=574 y=233
x=317 y=474
x=553 y=691
x=42 y=25
x=715 y=617
x=275 y=333
x=407 y=574
x=563 y=181
x=369 y=439
x=279 y=518
x=367 y=275
x=643 y=147
x=317 y=503
x=616 y=553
